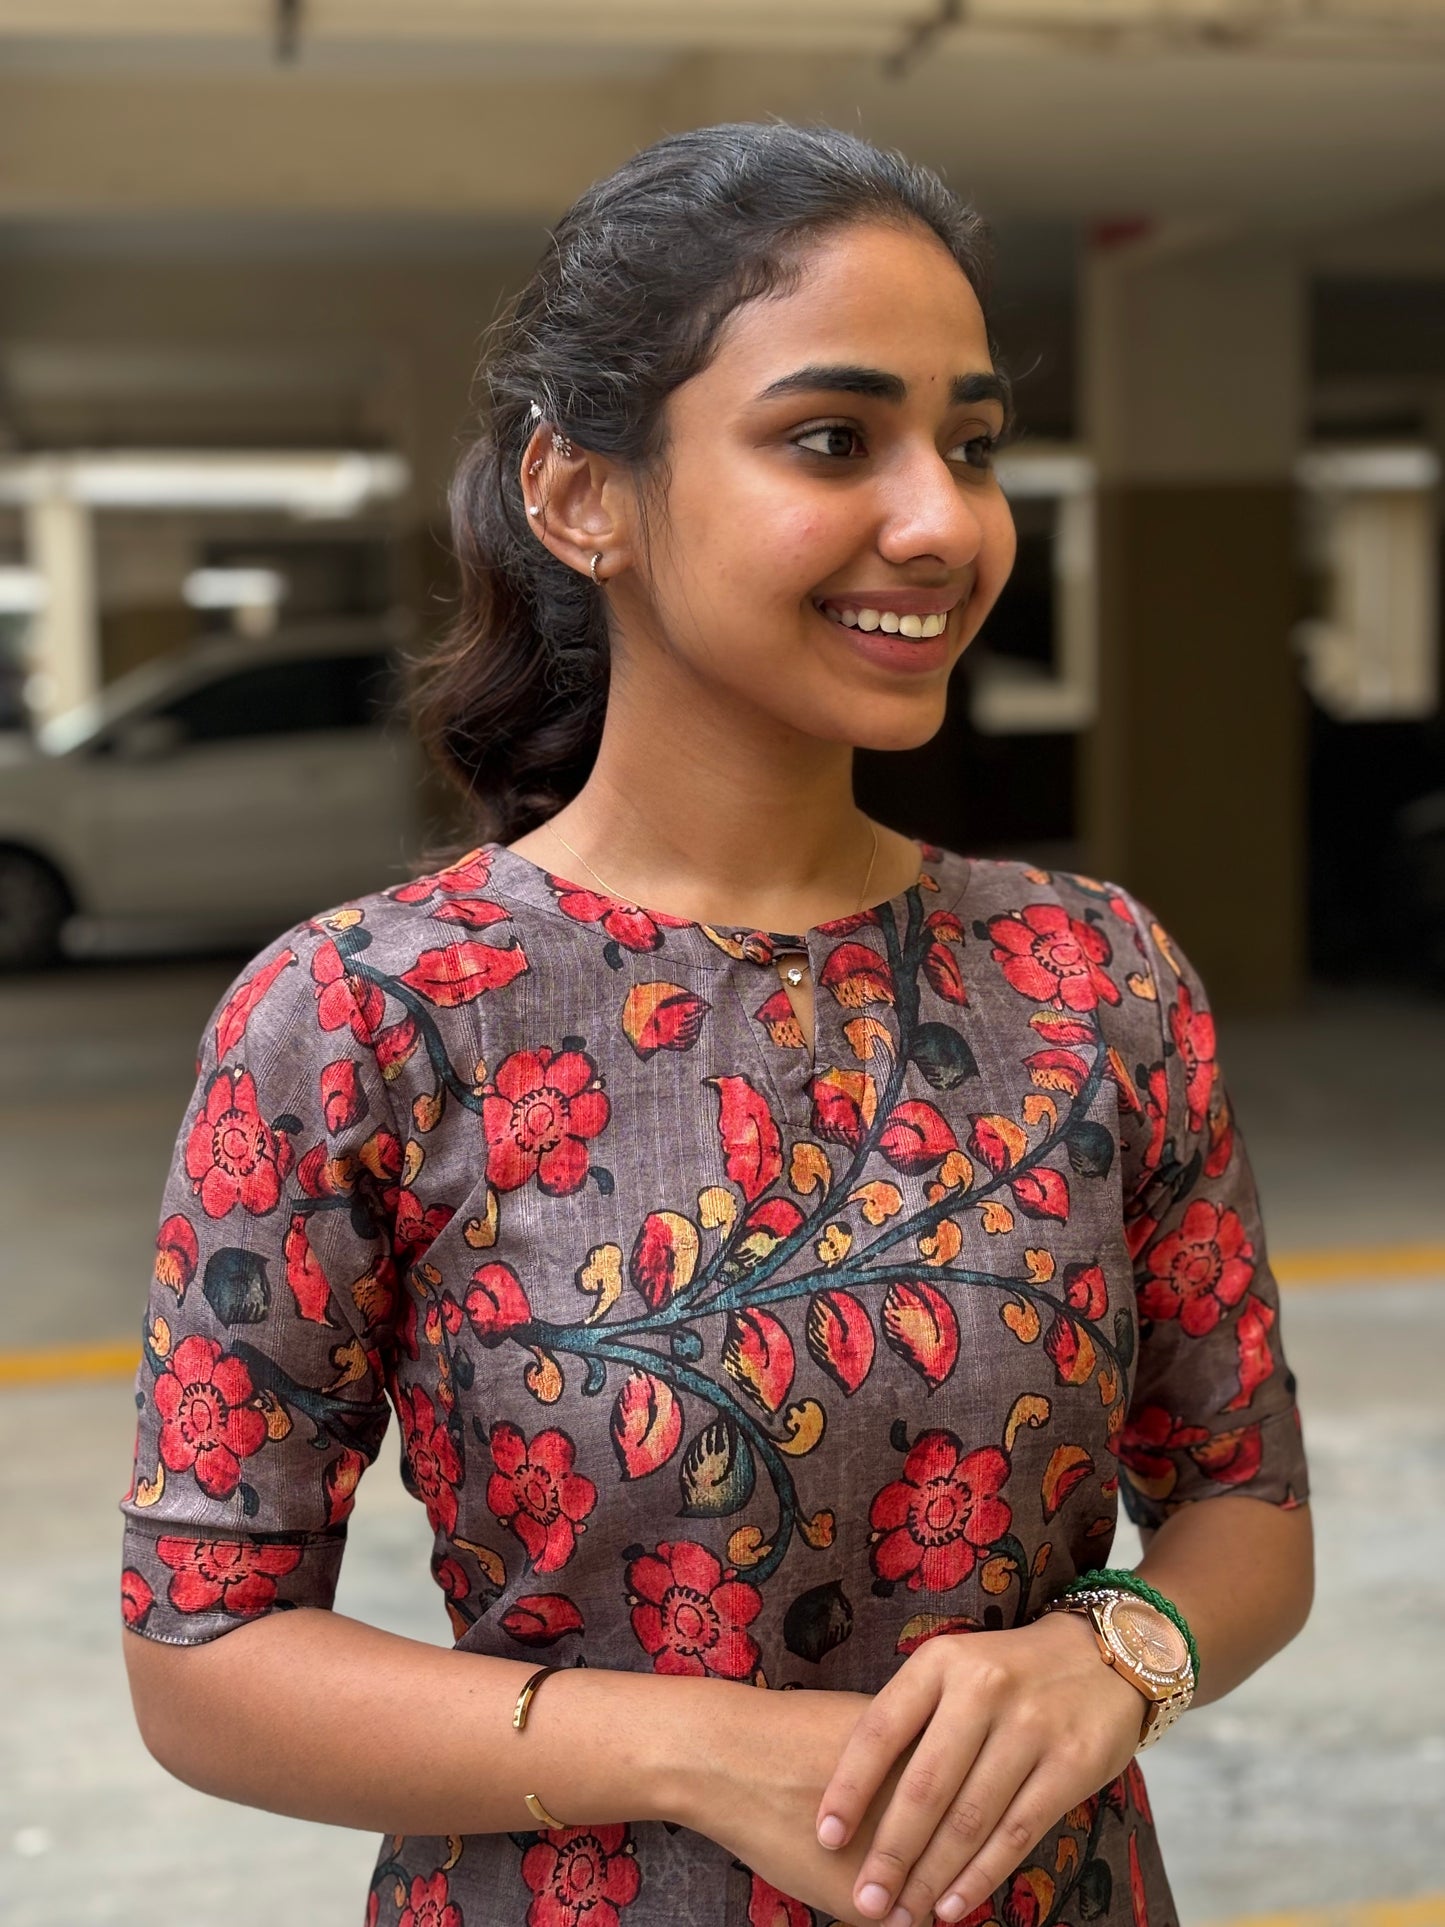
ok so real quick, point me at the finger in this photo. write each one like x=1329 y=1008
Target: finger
x=969 y=1821
x=890 y=1722
x=1023 y=1823
x=942 y=1761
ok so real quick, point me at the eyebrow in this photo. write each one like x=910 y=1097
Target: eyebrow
x=847 y=379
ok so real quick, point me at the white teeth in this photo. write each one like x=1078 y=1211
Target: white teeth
x=914 y=627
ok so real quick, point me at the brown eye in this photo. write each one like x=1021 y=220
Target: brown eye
x=976 y=452
x=835 y=439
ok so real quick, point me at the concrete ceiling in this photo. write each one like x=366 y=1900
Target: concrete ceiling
x=1322 y=116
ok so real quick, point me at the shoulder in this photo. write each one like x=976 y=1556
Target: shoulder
x=439 y=939
x=1077 y=944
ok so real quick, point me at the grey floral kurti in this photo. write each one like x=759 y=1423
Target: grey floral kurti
x=712 y=1354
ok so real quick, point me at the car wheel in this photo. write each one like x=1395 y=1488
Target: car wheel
x=33 y=909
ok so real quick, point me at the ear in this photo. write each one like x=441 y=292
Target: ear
x=584 y=504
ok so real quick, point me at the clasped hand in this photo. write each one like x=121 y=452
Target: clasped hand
x=1008 y=1730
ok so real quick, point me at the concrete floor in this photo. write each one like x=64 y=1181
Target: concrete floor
x=1319 y=1783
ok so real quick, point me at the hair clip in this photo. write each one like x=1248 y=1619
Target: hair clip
x=534 y=413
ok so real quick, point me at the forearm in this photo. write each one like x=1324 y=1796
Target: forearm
x=1242 y=1573
x=321 y=1717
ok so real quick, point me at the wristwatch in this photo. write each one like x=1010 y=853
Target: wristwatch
x=1143 y=1644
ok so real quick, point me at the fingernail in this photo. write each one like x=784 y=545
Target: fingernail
x=950 y=1907
x=900 y=1917
x=873 y=1898
x=831 y=1830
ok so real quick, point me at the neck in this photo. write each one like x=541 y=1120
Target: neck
x=736 y=818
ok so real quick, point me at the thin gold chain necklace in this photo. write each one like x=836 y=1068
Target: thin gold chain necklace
x=795 y=975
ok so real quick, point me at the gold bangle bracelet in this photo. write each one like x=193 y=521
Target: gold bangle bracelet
x=525 y=1697
x=519 y=1720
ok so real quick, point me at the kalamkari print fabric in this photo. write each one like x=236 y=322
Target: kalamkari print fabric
x=712 y=1354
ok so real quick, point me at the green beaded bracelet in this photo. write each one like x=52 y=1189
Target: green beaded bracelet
x=1128 y=1581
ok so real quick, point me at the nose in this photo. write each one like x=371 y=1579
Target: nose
x=929 y=514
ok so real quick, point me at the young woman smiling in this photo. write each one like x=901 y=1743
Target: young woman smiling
x=776 y=1236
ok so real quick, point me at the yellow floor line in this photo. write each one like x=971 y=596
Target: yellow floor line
x=1298 y=1270
x=1425 y=1910
x=61 y=1363
x=1358 y=1264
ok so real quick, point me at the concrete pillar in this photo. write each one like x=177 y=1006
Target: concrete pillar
x=1194 y=391
x=65 y=637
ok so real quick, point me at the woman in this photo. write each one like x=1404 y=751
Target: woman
x=774 y=1235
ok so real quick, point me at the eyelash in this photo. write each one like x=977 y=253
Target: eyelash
x=987 y=443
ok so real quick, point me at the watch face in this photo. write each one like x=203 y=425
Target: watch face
x=1150 y=1640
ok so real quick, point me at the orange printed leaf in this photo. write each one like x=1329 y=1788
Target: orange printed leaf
x=1021 y=1318
x=752 y=1146
x=664 y=1257
x=840 y=1337
x=232 y=1022
x=1067 y=1467
x=463 y=971
x=1041 y=1193
x=998 y=1220
x=646 y=1424
x=998 y=1141
x=809 y=1167
x=758 y=1353
x=600 y=1276
x=920 y=1325
x=880 y=1200
x=662 y=1016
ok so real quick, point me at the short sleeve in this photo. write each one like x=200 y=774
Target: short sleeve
x=261 y=1388
x=1213 y=1407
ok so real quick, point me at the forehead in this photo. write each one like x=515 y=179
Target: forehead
x=883 y=297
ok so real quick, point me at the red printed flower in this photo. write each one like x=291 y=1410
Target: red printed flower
x=1052 y=957
x=536 y=1494
x=232 y=1156
x=1199 y=1271
x=537 y=1113
x=208 y=1420
x=580 y=1874
x=626 y=923
x=343 y=999
x=1149 y=1437
x=688 y=1616
x=929 y=1524
x=431 y=1904
x=238 y=1577
x=136 y=1597
x=432 y=1455
x=1193 y=1034
x=463 y=878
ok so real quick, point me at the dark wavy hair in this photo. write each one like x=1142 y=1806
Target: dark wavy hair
x=624 y=306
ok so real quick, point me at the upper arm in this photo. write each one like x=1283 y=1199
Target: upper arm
x=1213 y=1407
x=260 y=1393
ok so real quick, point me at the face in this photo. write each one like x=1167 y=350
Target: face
x=833 y=533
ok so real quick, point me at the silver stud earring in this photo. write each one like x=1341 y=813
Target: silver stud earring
x=563 y=446
x=535 y=509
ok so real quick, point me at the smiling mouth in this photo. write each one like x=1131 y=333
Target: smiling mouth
x=913 y=625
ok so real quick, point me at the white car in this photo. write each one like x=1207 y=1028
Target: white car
x=221 y=794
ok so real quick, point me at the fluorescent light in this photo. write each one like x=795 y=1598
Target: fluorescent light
x=1364 y=470
x=234 y=588
x=322 y=484
x=22 y=591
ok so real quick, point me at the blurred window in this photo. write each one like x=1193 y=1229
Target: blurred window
x=289 y=699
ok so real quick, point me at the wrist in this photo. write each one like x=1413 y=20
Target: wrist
x=680 y=1781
